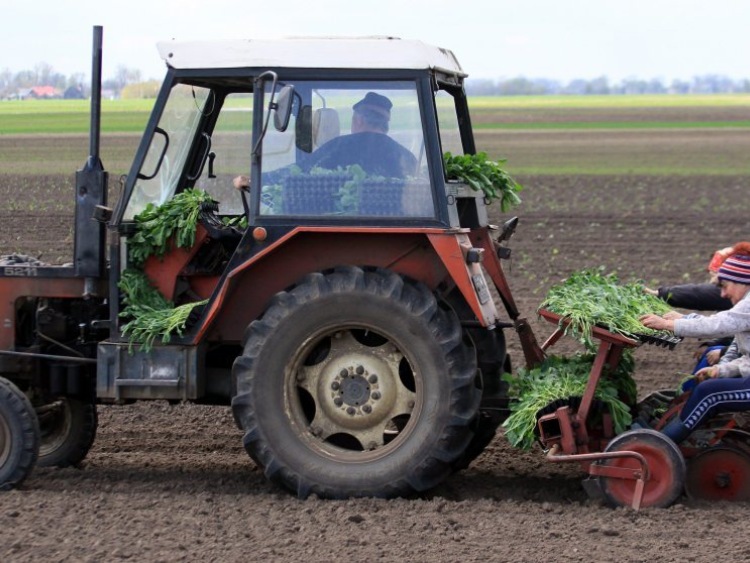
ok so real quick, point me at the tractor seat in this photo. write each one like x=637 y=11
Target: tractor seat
x=325 y=126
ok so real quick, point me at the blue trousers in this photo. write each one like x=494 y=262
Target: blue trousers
x=702 y=363
x=714 y=396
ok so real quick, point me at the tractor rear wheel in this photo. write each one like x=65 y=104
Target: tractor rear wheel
x=19 y=435
x=68 y=428
x=665 y=464
x=356 y=383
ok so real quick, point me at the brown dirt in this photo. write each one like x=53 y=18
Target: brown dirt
x=694 y=114
x=165 y=483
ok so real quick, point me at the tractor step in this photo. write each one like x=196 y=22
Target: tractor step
x=171 y=372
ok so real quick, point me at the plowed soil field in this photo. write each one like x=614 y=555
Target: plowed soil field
x=172 y=483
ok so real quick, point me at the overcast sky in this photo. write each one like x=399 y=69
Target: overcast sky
x=556 y=39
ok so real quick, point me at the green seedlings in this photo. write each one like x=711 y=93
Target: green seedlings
x=150 y=315
x=156 y=225
x=484 y=175
x=589 y=298
x=565 y=378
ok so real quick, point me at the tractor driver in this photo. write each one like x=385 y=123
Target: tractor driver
x=368 y=145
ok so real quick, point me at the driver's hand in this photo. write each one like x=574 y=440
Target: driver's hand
x=241 y=183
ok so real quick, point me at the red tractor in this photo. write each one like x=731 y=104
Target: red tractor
x=352 y=324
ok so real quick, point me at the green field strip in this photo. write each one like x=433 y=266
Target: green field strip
x=610 y=101
x=67 y=122
x=578 y=125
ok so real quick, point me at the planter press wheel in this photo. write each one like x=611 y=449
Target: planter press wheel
x=719 y=473
x=665 y=464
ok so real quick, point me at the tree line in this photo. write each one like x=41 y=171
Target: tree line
x=43 y=74
x=124 y=80
x=522 y=86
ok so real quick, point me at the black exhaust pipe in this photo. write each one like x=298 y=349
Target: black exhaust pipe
x=91 y=184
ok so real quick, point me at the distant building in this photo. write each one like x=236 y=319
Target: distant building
x=73 y=93
x=41 y=92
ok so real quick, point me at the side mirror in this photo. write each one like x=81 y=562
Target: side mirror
x=283 y=107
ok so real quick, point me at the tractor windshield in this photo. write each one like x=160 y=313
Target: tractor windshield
x=162 y=167
x=353 y=148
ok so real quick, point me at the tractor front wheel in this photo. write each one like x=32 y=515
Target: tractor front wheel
x=356 y=383
x=68 y=427
x=19 y=435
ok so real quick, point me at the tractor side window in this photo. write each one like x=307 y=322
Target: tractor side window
x=450 y=136
x=231 y=144
x=352 y=149
x=164 y=162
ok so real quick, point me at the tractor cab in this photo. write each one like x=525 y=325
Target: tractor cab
x=328 y=131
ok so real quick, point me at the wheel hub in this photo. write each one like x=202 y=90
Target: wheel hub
x=357 y=392
x=354 y=390
x=719 y=473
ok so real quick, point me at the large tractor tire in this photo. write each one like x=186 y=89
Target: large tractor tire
x=68 y=428
x=356 y=383
x=493 y=361
x=19 y=436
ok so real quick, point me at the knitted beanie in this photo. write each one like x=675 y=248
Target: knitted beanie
x=718 y=258
x=736 y=268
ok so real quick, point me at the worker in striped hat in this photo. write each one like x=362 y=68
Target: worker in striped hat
x=724 y=387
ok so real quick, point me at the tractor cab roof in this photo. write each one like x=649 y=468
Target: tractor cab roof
x=310 y=52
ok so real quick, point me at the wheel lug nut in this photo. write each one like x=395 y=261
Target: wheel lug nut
x=367 y=409
x=338 y=401
x=376 y=395
x=335 y=385
x=350 y=411
x=360 y=370
x=344 y=372
x=373 y=378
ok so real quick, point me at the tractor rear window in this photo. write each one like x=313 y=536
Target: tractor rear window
x=353 y=149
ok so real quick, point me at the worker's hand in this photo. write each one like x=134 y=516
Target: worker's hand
x=649 y=291
x=656 y=322
x=713 y=357
x=241 y=183
x=707 y=373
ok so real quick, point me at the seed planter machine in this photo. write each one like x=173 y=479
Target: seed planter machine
x=637 y=468
x=642 y=467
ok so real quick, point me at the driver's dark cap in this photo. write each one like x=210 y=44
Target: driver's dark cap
x=375 y=103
